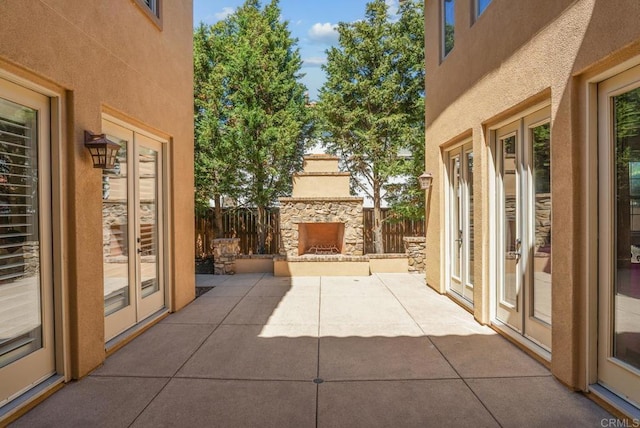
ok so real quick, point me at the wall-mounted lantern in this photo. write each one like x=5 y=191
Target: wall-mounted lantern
x=103 y=151
x=425 y=180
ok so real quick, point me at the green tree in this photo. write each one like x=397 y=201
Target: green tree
x=260 y=121
x=371 y=108
x=215 y=176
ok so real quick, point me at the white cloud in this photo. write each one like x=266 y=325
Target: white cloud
x=226 y=11
x=394 y=6
x=324 y=33
x=314 y=61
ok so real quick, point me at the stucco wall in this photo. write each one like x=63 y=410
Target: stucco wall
x=108 y=57
x=517 y=54
x=323 y=184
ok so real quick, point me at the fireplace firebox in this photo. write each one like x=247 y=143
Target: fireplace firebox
x=320 y=238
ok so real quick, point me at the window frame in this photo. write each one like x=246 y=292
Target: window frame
x=476 y=9
x=152 y=11
x=443 y=26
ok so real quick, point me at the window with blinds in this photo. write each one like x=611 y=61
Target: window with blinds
x=20 y=310
x=153 y=6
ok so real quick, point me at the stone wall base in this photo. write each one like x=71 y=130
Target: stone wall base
x=225 y=251
x=415 y=248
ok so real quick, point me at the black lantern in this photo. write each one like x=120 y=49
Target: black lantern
x=103 y=151
x=425 y=180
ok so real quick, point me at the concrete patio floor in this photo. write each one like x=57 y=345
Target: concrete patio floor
x=383 y=350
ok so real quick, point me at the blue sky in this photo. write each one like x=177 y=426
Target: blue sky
x=311 y=22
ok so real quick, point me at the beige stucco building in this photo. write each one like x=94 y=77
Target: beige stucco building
x=533 y=125
x=89 y=257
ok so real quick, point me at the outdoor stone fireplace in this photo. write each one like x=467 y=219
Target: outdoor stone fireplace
x=321 y=218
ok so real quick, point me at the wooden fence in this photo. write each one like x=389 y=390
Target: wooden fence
x=393 y=230
x=241 y=223
x=237 y=223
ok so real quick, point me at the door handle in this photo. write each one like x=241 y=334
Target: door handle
x=516 y=254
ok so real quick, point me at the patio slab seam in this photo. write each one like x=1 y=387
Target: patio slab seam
x=444 y=356
x=342 y=386
x=215 y=329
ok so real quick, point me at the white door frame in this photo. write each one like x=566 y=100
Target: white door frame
x=140 y=307
x=464 y=291
x=617 y=376
x=41 y=363
x=519 y=126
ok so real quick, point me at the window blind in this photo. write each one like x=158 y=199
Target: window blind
x=20 y=318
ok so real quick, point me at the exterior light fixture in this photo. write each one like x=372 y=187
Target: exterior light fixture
x=425 y=180
x=103 y=151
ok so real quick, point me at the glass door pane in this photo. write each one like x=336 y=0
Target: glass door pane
x=115 y=232
x=510 y=185
x=456 y=220
x=626 y=291
x=470 y=224
x=20 y=280
x=148 y=220
x=542 y=222
x=149 y=226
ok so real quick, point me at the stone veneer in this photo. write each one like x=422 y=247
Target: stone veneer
x=225 y=251
x=347 y=210
x=415 y=249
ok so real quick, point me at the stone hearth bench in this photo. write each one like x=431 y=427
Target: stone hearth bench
x=339 y=265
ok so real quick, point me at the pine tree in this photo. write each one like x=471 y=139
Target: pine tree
x=215 y=176
x=261 y=120
x=371 y=107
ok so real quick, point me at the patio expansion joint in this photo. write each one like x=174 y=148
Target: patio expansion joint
x=510 y=377
x=228 y=379
x=125 y=376
x=150 y=401
x=215 y=329
x=189 y=357
x=442 y=354
x=318 y=356
x=390 y=380
x=194 y=323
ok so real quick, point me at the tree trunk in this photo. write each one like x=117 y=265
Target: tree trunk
x=262 y=229
x=378 y=244
x=219 y=233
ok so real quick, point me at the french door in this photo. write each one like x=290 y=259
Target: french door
x=26 y=282
x=619 y=235
x=132 y=228
x=523 y=194
x=460 y=223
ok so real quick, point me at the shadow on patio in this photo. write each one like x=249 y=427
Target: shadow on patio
x=370 y=351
